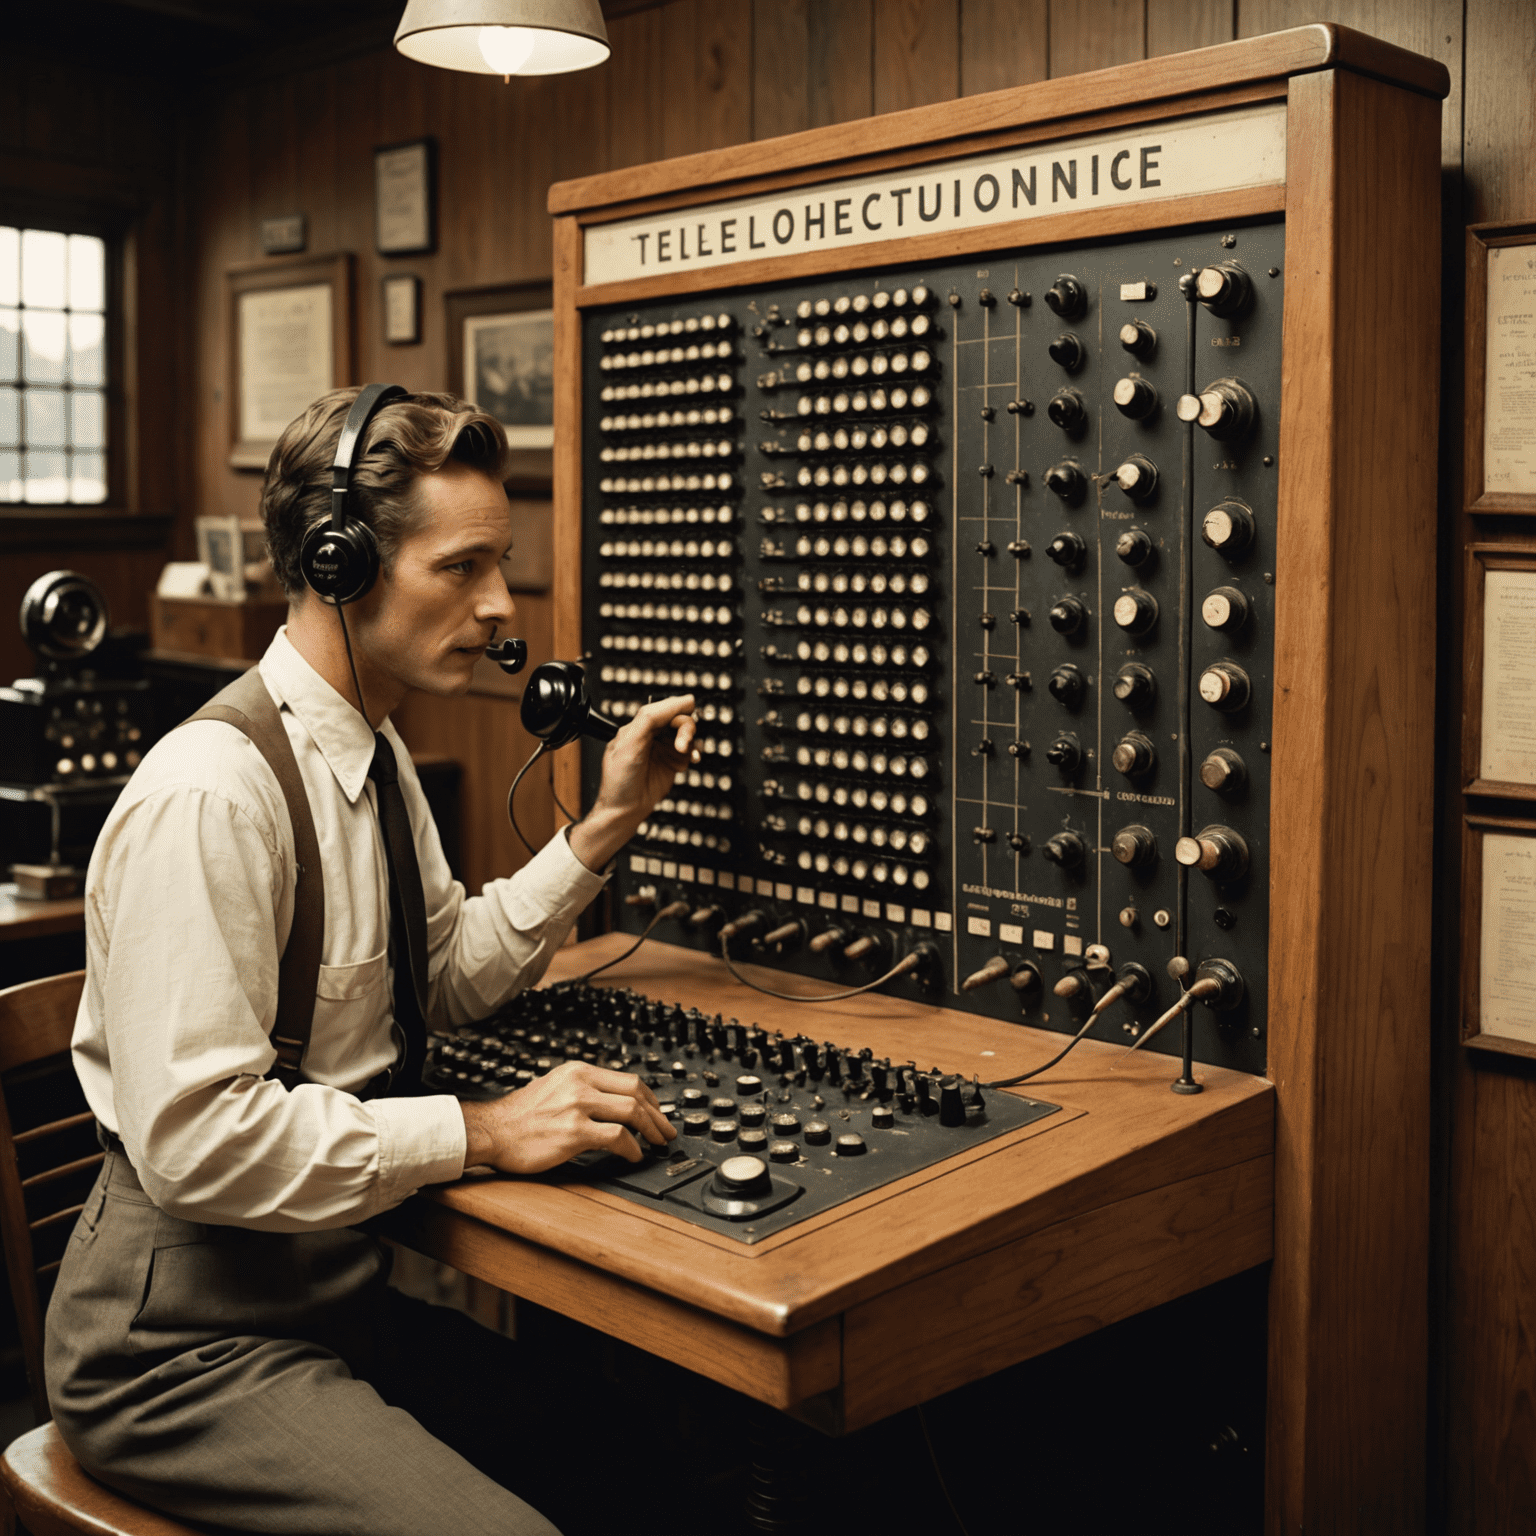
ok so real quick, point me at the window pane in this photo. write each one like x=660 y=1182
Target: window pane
x=10 y=418
x=87 y=272
x=90 y=480
x=10 y=347
x=42 y=353
x=44 y=421
x=88 y=427
x=47 y=476
x=42 y=268
x=10 y=475
x=87 y=352
x=10 y=265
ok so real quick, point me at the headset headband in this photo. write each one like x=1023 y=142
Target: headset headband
x=371 y=399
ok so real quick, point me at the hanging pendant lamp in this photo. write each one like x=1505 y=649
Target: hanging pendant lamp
x=504 y=37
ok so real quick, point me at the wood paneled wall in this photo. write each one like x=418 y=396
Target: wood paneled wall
x=74 y=137
x=693 y=74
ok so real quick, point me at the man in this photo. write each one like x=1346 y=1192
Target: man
x=221 y=1343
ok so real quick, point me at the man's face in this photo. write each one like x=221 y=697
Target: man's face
x=431 y=617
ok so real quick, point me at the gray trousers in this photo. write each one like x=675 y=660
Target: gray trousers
x=257 y=1381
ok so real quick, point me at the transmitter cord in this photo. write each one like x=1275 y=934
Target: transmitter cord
x=907 y=963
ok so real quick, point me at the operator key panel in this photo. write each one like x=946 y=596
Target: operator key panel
x=970 y=569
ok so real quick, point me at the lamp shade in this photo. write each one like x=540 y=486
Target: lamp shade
x=504 y=37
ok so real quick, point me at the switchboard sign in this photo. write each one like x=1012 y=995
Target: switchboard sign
x=1143 y=163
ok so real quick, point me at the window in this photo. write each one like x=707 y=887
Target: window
x=53 y=367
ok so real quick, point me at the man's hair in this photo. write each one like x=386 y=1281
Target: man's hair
x=408 y=438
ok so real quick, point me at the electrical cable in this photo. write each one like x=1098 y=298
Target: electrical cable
x=1024 y=1077
x=1207 y=987
x=346 y=640
x=539 y=752
x=672 y=909
x=555 y=794
x=938 y=1471
x=907 y=963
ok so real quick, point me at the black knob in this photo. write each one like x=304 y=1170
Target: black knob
x=818 y=1133
x=1134 y=685
x=722 y=1130
x=1134 y=755
x=1068 y=410
x=951 y=1103
x=882 y=1117
x=785 y=1123
x=1018 y=548
x=694 y=1098
x=753 y=1114
x=983 y=748
x=752 y=1141
x=1067 y=297
x=1229 y=982
x=1224 y=771
x=1067 y=480
x=1068 y=685
x=1138 y=338
x=1018 y=841
x=783 y=1151
x=1068 y=616
x=1224 y=686
x=749 y=1085
x=988 y=621
x=1065 y=849
x=1067 y=550
x=1018 y=749
x=1134 y=547
x=1224 y=288
x=983 y=835
x=1228 y=528
x=742 y=1178
x=1135 y=397
x=1137 y=477
x=1135 y=611
x=696 y=1123
x=1068 y=351
x=1225 y=609
x=1025 y=979
x=1066 y=752
x=1216 y=851
x=1225 y=409
x=1134 y=846
x=986 y=679
x=986 y=547
x=850 y=1144
x=1017 y=296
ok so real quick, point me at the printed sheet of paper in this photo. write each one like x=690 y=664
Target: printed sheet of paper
x=1508 y=752
x=1507 y=1005
x=1509 y=411
x=285 y=356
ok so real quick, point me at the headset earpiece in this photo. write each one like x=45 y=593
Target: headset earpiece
x=556 y=708
x=339 y=559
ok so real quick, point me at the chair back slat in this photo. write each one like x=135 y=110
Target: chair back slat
x=37 y=1020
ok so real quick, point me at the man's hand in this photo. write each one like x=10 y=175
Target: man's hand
x=638 y=770
x=575 y=1108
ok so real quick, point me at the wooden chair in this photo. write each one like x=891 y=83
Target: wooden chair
x=48 y=1162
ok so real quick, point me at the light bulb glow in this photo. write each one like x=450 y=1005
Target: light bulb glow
x=507 y=49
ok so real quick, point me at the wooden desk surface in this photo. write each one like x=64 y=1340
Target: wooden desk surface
x=23 y=919
x=1127 y=1197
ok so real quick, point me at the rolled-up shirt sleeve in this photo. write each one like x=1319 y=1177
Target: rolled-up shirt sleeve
x=188 y=907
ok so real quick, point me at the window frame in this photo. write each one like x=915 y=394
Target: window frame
x=114 y=228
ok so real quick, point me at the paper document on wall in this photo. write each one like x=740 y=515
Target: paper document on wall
x=1508 y=1002
x=1508 y=752
x=1509 y=410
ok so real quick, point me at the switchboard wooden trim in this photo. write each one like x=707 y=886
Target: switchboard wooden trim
x=1354 y=705
x=915 y=250
x=1480 y=239
x=1046 y=133
x=1482 y=558
x=1474 y=830
x=566 y=588
x=1277 y=55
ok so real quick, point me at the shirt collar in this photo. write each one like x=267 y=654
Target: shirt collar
x=333 y=723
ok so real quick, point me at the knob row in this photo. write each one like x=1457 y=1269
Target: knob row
x=674 y=613
x=897 y=583
x=880 y=689
x=705 y=323
x=842 y=439
x=618 y=485
x=859 y=796
x=859 y=618
x=859 y=303
x=858 y=547
x=898 y=328
x=666 y=357
x=880 y=871
x=841 y=760
x=916 y=842
x=661 y=549
x=877 y=511
x=669 y=645
x=646 y=517
x=897 y=727
x=709 y=416
x=654 y=389
x=722 y=448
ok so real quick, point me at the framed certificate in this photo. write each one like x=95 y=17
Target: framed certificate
x=289 y=342
x=1498 y=962
x=404 y=198
x=1500 y=452
x=1498 y=747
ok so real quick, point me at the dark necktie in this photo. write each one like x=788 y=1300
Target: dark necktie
x=407 y=916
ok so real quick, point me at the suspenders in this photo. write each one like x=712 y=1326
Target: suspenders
x=246 y=705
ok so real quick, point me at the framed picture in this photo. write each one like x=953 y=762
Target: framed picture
x=1498 y=928
x=1498 y=741
x=221 y=547
x=501 y=344
x=405 y=198
x=1500 y=447
x=289 y=341
x=402 y=310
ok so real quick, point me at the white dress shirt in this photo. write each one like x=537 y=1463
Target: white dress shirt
x=188 y=903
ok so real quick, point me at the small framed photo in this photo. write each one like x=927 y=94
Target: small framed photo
x=1499 y=455
x=1498 y=935
x=221 y=547
x=1498 y=750
x=405 y=200
x=402 y=310
x=501 y=355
